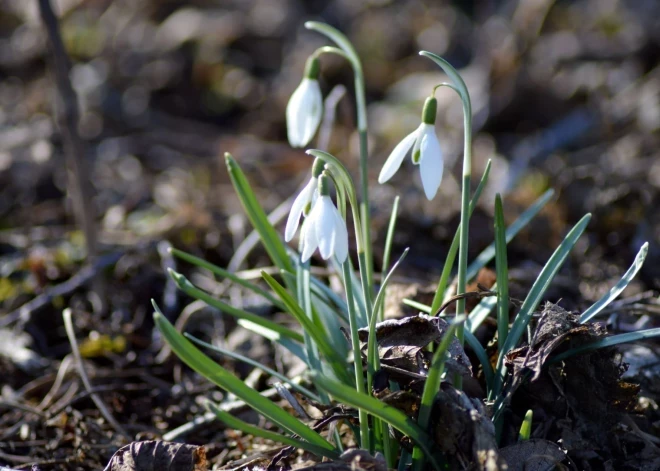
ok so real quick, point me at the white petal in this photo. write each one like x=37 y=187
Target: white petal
x=304 y=112
x=303 y=198
x=341 y=243
x=393 y=162
x=326 y=228
x=431 y=165
x=309 y=240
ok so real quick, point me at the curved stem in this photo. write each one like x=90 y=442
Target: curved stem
x=462 y=90
x=361 y=108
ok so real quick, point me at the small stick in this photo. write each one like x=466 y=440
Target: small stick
x=80 y=190
x=68 y=324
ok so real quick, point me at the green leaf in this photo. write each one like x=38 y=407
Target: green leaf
x=482 y=356
x=191 y=290
x=255 y=213
x=201 y=363
x=373 y=360
x=293 y=346
x=489 y=252
x=221 y=272
x=432 y=386
x=260 y=366
x=321 y=338
x=234 y=423
x=502 y=275
x=608 y=342
x=480 y=313
x=389 y=414
x=535 y=294
x=618 y=288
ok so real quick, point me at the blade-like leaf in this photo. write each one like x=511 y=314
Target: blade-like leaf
x=482 y=356
x=618 y=288
x=221 y=272
x=432 y=386
x=489 y=252
x=480 y=313
x=291 y=345
x=389 y=414
x=535 y=294
x=236 y=356
x=234 y=423
x=199 y=362
x=255 y=213
x=502 y=275
x=320 y=337
x=609 y=342
x=373 y=361
x=191 y=290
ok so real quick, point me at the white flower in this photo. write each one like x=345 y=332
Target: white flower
x=324 y=229
x=305 y=197
x=305 y=108
x=426 y=152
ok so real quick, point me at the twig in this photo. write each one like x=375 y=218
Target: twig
x=80 y=190
x=68 y=324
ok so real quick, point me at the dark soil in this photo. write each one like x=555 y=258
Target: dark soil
x=566 y=95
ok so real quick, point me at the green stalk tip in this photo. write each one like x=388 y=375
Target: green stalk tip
x=312 y=68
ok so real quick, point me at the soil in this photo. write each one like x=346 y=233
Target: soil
x=566 y=95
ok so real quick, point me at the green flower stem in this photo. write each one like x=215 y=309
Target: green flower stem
x=357 y=354
x=361 y=106
x=467 y=173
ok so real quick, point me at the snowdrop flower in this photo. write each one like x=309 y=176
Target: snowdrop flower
x=426 y=152
x=324 y=228
x=304 y=201
x=303 y=113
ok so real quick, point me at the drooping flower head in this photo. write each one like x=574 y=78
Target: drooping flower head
x=324 y=228
x=304 y=201
x=426 y=152
x=305 y=107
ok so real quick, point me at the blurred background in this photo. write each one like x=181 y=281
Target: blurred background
x=565 y=96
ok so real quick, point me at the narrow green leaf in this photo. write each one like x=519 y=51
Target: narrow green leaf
x=618 y=288
x=237 y=356
x=191 y=290
x=388 y=414
x=432 y=386
x=534 y=296
x=291 y=345
x=255 y=213
x=238 y=424
x=426 y=309
x=489 y=252
x=542 y=282
x=480 y=313
x=482 y=356
x=373 y=360
x=320 y=337
x=609 y=342
x=221 y=272
x=199 y=362
x=502 y=275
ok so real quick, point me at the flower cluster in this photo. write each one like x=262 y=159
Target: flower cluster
x=323 y=227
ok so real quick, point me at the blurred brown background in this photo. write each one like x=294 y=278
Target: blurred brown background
x=565 y=96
